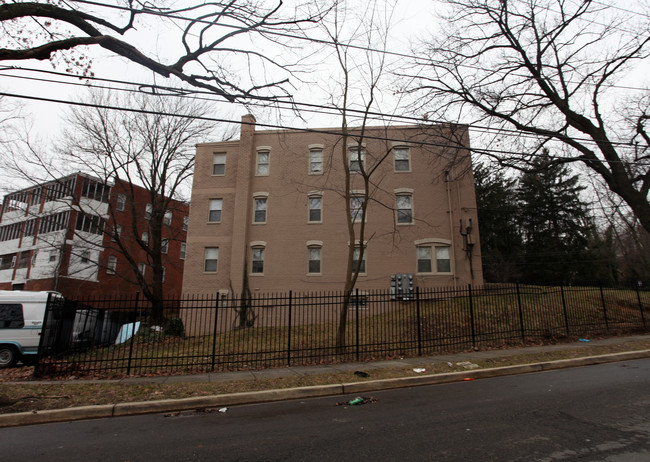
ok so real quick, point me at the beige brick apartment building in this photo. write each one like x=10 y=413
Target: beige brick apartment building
x=272 y=204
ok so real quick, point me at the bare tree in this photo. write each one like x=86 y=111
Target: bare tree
x=536 y=74
x=151 y=147
x=208 y=33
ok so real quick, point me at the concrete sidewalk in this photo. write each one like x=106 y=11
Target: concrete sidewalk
x=353 y=388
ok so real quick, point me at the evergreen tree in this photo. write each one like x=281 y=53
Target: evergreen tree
x=501 y=243
x=555 y=224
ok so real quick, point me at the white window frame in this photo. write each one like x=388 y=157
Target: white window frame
x=355 y=165
x=314 y=196
x=399 y=212
x=147 y=211
x=257 y=251
x=212 y=252
x=84 y=257
x=316 y=159
x=142 y=268
x=356 y=213
x=355 y=257
x=313 y=246
x=186 y=222
x=407 y=160
x=218 y=210
x=167 y=218
x=263 y=168
x=434 y=246
x=260 y=198
x=218 y=160
x=164 y=246
x=183 y=250
x=145 y=237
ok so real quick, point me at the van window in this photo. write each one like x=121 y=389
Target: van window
x=11 y=316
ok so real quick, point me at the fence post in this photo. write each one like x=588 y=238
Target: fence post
x=289 y=330
x=602 y=299
x=357 y=321
x=521 y=316
x=417 y=304
x=471 y=315
x=137 y=303
x=566 y=316
x=214 y=332
x=41 y=341
x=638 y=296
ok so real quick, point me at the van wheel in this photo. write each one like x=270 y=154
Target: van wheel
x=8 y=356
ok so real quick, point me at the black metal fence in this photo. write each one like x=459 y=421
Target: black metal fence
x=118 y=336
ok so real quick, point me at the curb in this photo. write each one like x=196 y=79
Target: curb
x=253 y=397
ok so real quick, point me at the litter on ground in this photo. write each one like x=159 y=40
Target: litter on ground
x=468 y=365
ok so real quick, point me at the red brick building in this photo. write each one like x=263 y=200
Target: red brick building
x=76 y=234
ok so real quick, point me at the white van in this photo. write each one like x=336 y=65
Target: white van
x=21 y=321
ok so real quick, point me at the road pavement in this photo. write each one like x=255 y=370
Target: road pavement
x=598 y=412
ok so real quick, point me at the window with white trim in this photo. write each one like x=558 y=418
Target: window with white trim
x=357 y=158
x=142 y=268
x=315 y=161
x=314 y=259
x=167 y=218
x=186 y=221
x=145 y=238
x=214 y=214
x=164 y=246
x=211 y=259
x=260 y=210
x=147 y=211
x=434 y=258
x=219 y=164
x=263 y=163
x=356 y=207
x=257 y=266
x=85 y=256
x=404 y=203
x=183 y=250
x=355 y=259
x=315 y=208
x=402 y=159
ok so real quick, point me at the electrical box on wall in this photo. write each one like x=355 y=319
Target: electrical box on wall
x=401 y=286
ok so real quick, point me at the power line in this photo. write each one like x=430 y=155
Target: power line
x=311 y=107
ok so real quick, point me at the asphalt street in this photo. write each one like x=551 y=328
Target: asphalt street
x=588 y=413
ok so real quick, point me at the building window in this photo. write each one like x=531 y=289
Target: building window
x=355 y=260
x=85 y=256
x=315 y=161
x=145 y=238
x=164 y=246
x=214 y=215
x=219 y=164
x=167 y=218
x=164 y=275
x=260 y=210
x=186 y=221
x=356 y=208
x=183 y=250
x=315 y=209
x=87 y=223
x=404 y=208
x=147 y=212
x=34 y=257
x=357 y=159
x=314 y=260
x=142 y=268
x=111 y=265
x=120 y=204
x=53 y=255
x=263 y=158
x=211 y=259
x=402 y=158
x=258 y=260
x=425 y=255
x=117 y=231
